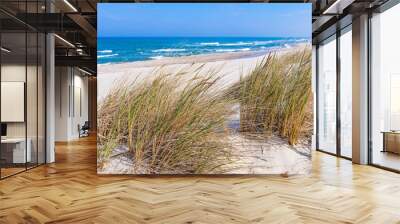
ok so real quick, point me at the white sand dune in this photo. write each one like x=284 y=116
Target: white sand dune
x=253 y=156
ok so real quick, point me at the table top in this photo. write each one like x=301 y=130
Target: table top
x=13 y=140
x=391 y=132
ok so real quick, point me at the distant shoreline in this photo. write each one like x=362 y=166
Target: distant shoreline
x=202 y=58
x=230 y=65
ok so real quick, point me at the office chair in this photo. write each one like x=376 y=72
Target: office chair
x=84 y=130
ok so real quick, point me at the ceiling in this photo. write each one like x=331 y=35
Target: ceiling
x=332 y=15
x=75 y=22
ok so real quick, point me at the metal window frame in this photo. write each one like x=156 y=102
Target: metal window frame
x=339 y=32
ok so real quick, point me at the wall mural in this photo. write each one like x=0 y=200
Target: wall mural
x=204 y=88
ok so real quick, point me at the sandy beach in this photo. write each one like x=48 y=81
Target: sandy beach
x=253 y=156
x=230 y=66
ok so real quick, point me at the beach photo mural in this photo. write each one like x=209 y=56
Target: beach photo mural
x=204 y=88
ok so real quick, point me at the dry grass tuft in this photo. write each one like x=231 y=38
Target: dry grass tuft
x=177 y=124
x=276 y=96
x=169 y=128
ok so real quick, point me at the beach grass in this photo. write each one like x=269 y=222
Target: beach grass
x=276 y=96
x=178 y=123
x=169 y=124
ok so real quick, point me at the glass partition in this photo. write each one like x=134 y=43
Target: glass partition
x=13 y=94
x=327 y=95
x=346 y=92
x=22 y=77
x=385 y=89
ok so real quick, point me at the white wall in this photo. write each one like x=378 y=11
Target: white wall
x=70 y=83
x=79 y=117
x=61 y=103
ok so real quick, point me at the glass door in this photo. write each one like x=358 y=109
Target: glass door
x=346 y=92
x=327 y=95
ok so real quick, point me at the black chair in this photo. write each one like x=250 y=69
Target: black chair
x=84 y=130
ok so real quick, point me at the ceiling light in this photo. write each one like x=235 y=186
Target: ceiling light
x=86 y=72
x=70 y=5
x=338 y=6
x=79 y=51
x=5 y=49
x=65 y=41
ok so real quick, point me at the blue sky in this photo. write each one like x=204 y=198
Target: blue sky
x=204 y=20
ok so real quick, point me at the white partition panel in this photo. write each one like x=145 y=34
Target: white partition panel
x=12 y=101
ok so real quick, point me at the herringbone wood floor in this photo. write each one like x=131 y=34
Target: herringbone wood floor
x=69 y=191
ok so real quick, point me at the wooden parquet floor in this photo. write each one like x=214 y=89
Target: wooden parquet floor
x=69 y=191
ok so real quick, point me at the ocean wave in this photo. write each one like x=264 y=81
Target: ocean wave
x=217 y=44
x=226 y=50
x=287 y=46
x=105 y=51
x=210 y=44
x=106 y=56
x=279 y=41
x=157 y=57
x=233 y=50
x=264 y=42
x=168 y=50
x=237 y=44
x=299 y=40
x=241 y=43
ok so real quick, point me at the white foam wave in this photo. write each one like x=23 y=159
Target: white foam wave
x=237 y=44
x=210 y=44
x=233 y=50
x=242 y=43
x=105 y=51
x=226 y=50
x=157 y=57
x=168 y=50
x=263 y=42
x=298 y=40
x=106 y=56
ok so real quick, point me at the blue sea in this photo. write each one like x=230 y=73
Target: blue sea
x=129 y=49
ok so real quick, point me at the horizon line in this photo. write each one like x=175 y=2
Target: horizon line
x=204 y=36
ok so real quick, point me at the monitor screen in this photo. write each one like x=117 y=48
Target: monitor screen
x=3 y=129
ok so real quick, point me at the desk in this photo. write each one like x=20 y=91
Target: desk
x=13 y=150
x=391 y=141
